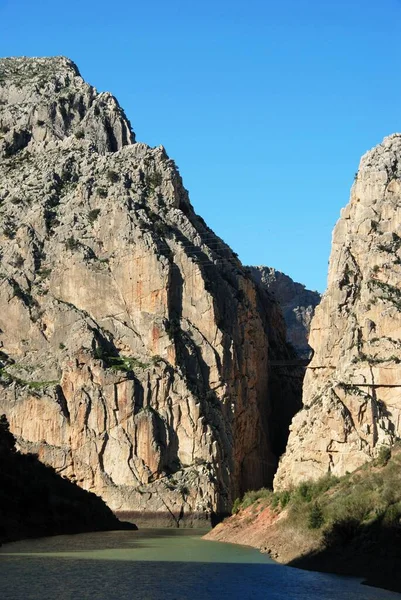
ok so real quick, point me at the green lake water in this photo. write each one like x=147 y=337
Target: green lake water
x=160 y=565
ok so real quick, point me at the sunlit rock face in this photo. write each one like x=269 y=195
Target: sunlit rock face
x=352 y=390
x=134 y=345
x=297 y=303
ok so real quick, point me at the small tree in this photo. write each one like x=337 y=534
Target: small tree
x=316 y=517
x=383 y=456
x=93 y=214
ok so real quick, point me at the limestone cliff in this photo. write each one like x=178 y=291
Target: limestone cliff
x=35 y=501
x=297 y=303
x=352 y=390
x=134 y=346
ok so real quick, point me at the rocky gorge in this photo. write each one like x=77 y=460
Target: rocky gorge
x=135 y=348
x=336 y=504
x=142 y=361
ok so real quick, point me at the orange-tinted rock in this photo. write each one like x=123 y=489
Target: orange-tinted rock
x=135 y=345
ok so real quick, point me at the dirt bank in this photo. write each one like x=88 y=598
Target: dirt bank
x=263 y=528
x=374 y=553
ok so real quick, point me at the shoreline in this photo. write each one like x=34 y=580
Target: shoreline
x=124 y=521
x=266 y=531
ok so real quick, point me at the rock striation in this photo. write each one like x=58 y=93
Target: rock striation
x=352 y=389
x=297 y=303
x=134 y=345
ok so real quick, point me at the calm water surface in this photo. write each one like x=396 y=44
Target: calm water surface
x=160 y=565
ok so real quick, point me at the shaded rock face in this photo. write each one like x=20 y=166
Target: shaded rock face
x=35 y=501
x=297 y=303
x=134 y=346
x=352 y=390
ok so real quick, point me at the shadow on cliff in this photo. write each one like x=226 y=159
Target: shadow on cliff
x=371 y=551
x=285 y=377
x=35 y=501
x=283 y=397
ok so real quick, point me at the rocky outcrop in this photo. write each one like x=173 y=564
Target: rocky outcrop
x=45 y=100
x=297 y=303
x=135 y=347
x=352 y=390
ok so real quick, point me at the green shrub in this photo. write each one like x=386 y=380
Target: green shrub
x=285 y=497
x=102 y=192
x=392 y=516
x=9 y=231
x=119 y=363
x=80 y=134
x=154 y=180
x=340 y=508
x=44 y=273
x=315 y=517
x=71 y=243
x=93 y=214
x=172 y=327
x=18 y=261
x=98 y=353
x=304 y=491
x=254 y=495
x=51 y=220
x=383 y=456
x=112 y=176
x=355 y=503
x=236 y=506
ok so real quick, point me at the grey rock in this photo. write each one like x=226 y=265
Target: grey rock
x=297 y=303
x=352 y=389
x=135 y=347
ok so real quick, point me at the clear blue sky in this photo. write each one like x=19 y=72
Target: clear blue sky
x=265 y=106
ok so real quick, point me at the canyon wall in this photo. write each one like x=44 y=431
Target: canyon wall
x=297 y=303
x=352 y=389
x=134 y=347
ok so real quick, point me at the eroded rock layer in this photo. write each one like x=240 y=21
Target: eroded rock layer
x=134 y=346
x=352 y=390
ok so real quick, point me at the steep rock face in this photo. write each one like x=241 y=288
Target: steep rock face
x=297 y=303
x=35 y=501
x=352 y=390
x=134 y=346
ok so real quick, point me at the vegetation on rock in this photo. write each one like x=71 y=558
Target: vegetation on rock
x=349 y=524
